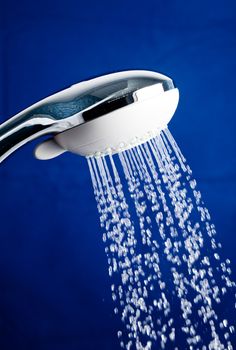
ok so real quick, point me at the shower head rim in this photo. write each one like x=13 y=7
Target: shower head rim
x=111 y=104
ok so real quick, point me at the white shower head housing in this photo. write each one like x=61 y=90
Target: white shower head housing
x=103 y=115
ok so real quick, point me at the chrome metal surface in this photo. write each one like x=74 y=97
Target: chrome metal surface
x=60 y=115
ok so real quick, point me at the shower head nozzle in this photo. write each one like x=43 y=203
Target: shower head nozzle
x=103 y=115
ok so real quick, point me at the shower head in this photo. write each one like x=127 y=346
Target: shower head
x=103 y=115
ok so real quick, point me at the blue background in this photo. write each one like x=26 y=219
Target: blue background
x=54 y=285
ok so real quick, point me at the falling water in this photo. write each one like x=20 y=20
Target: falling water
x=169 y=281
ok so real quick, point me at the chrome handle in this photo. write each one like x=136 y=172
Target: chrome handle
x=17 y=131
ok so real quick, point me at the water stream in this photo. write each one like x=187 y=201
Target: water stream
x=169 y=282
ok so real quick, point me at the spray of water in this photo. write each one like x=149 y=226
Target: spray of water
x=169 y=281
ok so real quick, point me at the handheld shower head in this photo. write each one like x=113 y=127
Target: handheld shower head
x=104 y=115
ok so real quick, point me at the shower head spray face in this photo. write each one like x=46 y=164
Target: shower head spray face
x=104 y=115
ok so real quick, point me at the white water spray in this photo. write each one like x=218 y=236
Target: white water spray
x=168 y=278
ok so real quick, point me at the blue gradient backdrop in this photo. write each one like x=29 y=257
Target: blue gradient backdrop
x=54 y=285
